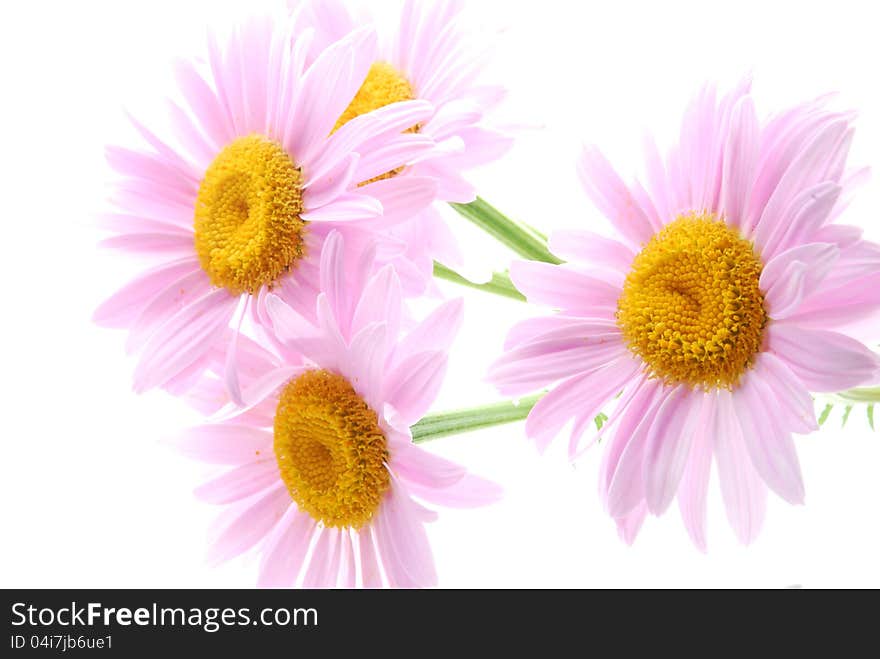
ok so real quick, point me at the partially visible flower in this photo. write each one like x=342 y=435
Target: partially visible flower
x=725 y=299
x=244 y=206
x=429 y=56
x=324 y=478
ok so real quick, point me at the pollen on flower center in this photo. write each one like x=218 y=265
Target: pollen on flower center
x=248 y=225
x=692 y=307
x=383 y=86
x=330 y=450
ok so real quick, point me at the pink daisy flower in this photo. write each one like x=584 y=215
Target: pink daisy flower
x=726 y=298
x=428 y=56
x=242 y=208
x=325 y=480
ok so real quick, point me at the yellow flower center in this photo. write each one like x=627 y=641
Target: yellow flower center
x=691 y=307
x=330 y=450
x=248 y=229
x=383 y=86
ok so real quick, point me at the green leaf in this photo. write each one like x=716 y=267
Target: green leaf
x=600 y=420
x=861 y=395
x=871 y=416
x=500 y=283
x=526 y=242
x=846 y=413
x=825 y=413
x=446 y=424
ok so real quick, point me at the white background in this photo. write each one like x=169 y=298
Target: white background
x=89 y=496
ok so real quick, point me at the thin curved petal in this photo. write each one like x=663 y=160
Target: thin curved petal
x=286 y=549
x=743 y=491
x=250 y=526
x=824 y=361
x=770 y=447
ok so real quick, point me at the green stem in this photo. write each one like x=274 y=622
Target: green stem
x=500 y=283
x=446 y=424
x=523 y=240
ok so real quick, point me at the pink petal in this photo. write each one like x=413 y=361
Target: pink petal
x=783 y=138
x=326 y=90
x=256 y=35
x=704 y=155
x=800 y=221
x=743 y=491
x=451 y=186
x=365 y=363
x=166 y=244
x=153 y=167
x=839 y=234
x=165 y=304
x=251 y=525
x=403 y=150
x=122 y=223
x=613 y=198
x=182 y=383
x=188 y=131
x=805 y=171
x=418 y=467
x=413 y=386
x=324 y=188
x=347 y=569
x=319 y=572
x=481 y=146
x=402 y=198
x=668 y=445
x=580 y=395
x=372 y=128
x=770 y=447
x=591 y=248
x=824 y=361
x=530 y=330
x=403 y=544
x=184 y=338
x=333 y=276
x=256 y=394
x=254 y=360
x=371 y=575
x=695 y=480
x=469 y=492
x=124 y=306
x=841 y=306
x=288 y=324
x=349 y=207
x=240 y=483
x=543 y=362
x=584 y=422
x=658 y=184
x=204 y=103
x=858 y=259
x=793 y=402
x=436 y=332
x=171 y=157
x=561 y=287
x=626 y=485
x=629 y=525
x=286 y=549
x=380 y=302
x=851 y=183
x=640 y=404
x=225 y=444
x=789 y=277
x=152 y=204
x=740 y=161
